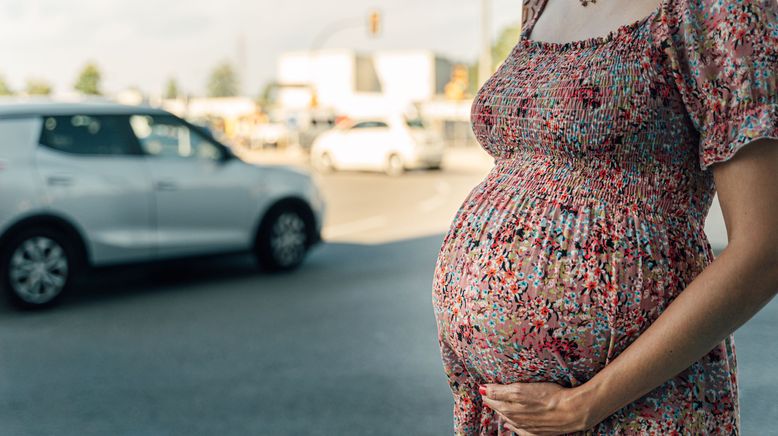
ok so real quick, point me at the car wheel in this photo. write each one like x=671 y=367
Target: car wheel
x=324 y=163
x=283 y=238
x=39 y=267
x=394 y=165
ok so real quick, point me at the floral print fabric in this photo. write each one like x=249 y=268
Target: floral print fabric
x=591 y=221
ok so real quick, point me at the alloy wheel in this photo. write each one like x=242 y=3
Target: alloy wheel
x=288 y=238
x=394 y=165
x=325 y=163
x=38 y=269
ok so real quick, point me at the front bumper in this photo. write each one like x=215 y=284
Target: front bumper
x=429 y=156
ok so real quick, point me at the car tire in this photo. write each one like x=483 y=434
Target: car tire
x=324 y=163
x=284 y=237
x=39 y=266
x=394 y=165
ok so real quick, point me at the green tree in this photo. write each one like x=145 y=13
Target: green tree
x=38 y=87
x=223 y=81
x=5 y=89
x=267 y=94
x=508 y=38
x=472 y=75
x=171 y=89
x=501 y=48
x=88 y=81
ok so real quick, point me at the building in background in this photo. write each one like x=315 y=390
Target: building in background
x=345 y=82
x=315 y=88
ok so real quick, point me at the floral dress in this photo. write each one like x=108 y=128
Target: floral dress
x=591 y=221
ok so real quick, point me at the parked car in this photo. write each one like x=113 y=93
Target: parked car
x=391 y=144
x=273 y=135
x=319 y=124
x=95 y=184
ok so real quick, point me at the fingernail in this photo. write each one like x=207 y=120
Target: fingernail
x=482 y=389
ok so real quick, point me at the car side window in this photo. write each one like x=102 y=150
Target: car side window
x=415 y=123
x=89 y=134
x=369 y=124
x=167 y=137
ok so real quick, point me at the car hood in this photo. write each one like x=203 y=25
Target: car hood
x=281 y=171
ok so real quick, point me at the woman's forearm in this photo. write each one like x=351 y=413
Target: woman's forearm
x=731 y=290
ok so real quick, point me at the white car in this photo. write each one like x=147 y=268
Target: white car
x=273 y=135
x=100 y=183
x=390 y=144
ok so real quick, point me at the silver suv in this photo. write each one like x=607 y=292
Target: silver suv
x=93 y=184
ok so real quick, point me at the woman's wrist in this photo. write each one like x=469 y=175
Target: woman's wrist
x=591 y=400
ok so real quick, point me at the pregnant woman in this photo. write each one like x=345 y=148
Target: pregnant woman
x=575 y=291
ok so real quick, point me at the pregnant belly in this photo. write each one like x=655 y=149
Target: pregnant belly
x=527 y=289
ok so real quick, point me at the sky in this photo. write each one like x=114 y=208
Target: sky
x=143 y=43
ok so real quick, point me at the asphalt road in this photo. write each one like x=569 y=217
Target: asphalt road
x=344 y=346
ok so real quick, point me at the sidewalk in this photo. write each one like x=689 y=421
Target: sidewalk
x=471 y=158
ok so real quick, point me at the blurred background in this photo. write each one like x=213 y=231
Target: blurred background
x=360 y=111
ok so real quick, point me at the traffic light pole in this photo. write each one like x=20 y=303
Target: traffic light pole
x=335 y=27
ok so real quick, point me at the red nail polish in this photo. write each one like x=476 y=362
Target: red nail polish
x=482 y=389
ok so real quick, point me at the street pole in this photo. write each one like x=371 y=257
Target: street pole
x=485 y=62
x=321 y=38
x=334 y=27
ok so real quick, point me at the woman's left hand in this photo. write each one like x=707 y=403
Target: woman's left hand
x=530 y=409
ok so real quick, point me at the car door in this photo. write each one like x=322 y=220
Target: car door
x=365 y=144
x=203 y=203
x=94 y=175
x=382 y=141
x=344 y=146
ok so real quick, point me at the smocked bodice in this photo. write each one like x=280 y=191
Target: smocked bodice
x=601 y=117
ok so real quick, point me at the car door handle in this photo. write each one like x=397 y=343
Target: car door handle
x=59 y=181
x=166 y=186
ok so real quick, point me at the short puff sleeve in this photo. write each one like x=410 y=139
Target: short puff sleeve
x=723 y=57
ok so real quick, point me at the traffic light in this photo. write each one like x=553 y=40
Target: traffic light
x=375 y=23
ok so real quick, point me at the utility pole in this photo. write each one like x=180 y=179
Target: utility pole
x=485 y=62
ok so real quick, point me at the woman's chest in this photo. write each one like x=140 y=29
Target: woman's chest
x=602 y=100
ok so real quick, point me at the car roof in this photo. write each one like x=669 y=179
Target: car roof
x=12 y=108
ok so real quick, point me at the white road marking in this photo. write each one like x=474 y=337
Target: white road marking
x=357 y=226
x=442 y=189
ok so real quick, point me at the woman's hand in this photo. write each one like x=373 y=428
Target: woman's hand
x=541 y=408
